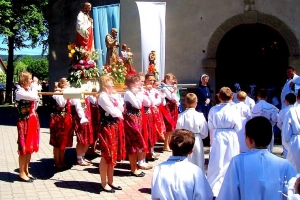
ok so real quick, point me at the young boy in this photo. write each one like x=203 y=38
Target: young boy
x=195 y=122
x=267 y=110
x=257 y=174
x=245 y=114
x=290 y=100
x=177 y=178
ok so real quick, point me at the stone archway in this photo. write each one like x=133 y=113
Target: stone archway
x=251 y=17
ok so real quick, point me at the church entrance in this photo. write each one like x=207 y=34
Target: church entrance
x=251 y=54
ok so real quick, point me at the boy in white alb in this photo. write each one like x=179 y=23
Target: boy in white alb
x=245 y=114
x=291 y=134
x=223 y=122
x=290 y=100
x=267 y=110
x=195 y=122
x=257 y=174
x=177 y=178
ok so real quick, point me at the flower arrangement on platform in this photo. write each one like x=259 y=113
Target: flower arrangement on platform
x=83 y=65
x=152 y=70
x=116 y=70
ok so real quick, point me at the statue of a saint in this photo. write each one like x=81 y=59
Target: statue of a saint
x=84 y=27
x=112 y=46
x=152 y=58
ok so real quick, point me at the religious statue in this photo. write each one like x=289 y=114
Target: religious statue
x=127 y=56
x=84 y=28
x=112 y=46
x=152 y=58
x=249 y=5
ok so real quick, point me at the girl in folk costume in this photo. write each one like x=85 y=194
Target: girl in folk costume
x=82 y=123
x=160 y=101
x=61 y=129
x=147 y=125
x=111 y=133
x=95 y=116
x=170 y=111
x=133 y=123
x=153 y=119
x=28 y=124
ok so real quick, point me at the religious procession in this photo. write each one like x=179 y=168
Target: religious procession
x=126 y=123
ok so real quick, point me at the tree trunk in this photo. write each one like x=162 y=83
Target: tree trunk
x=10 y=70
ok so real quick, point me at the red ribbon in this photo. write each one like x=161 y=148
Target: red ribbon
x=68 y=125
x=32 y=144
x=144 y=129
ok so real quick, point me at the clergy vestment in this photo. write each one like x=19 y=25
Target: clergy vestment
x=177 y=178
x=257 y=175
x=287 y=89
x=195 y=122
x=223 y=122
x=291 y=136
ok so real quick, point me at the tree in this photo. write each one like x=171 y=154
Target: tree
x=19 y=67
x=37 y=67
x=23 y=26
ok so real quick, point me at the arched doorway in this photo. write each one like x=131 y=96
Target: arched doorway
x=252 y=54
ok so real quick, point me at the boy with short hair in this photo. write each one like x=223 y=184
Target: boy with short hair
x=195 y=122
x=177 y=178
x=245 y=114
x=257 y=174
x=267 y=110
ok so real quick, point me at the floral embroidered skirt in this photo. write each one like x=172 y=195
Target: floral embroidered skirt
x=26 y=146
x=59 y=136
x=133 y=133
x=159 y=124
x=112 y=142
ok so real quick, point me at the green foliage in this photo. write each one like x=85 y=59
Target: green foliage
x=38 y=67
x=19 y=67
x=2 y=77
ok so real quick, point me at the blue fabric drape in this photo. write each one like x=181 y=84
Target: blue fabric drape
x=105 y=18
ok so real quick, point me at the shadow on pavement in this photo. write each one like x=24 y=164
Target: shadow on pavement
x=145 y=190
x=85 y=186
x=9 y=116
x=8 y=177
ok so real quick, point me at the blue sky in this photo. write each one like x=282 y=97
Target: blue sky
x=35 y=51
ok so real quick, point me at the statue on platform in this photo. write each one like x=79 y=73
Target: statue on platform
x=84 y=28
x=152 y=58
x=127 y=56
x=112 y=46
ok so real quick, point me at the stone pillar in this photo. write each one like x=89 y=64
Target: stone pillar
x=295 y=61
x=209 y=68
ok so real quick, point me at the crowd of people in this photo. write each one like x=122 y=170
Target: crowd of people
x=241 y=132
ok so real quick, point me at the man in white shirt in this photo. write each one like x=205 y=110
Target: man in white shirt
x=290 y=85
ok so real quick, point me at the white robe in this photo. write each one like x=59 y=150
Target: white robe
x=269 y=111
x=250 y=102
x=291 y=136
x=223 y=122
x=177 y=178
x=256 y=175
x=245 y=114
x=287 y=89
x=281 y=116
x=195 y=122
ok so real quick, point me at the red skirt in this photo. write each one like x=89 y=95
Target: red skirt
x=152 y=137
x=112 y=142
x=159 y=124
x=170 y=116
x=133 y=133
x=22 y=126
x=59 y=136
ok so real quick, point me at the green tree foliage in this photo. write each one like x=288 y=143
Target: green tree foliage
x=2 y=77
x=23 y=26
x=38 y=67
x=19 y=67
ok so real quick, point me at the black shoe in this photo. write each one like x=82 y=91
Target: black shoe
x=142 y=174
x=33 y=178
x=151 y=159
x=115 y=187
x=109 y=191
x=26 y=181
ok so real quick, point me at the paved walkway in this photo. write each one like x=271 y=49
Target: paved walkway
x=76 y=183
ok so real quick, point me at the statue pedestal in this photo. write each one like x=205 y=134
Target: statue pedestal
x=88 y=84
x=120 y=87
